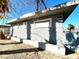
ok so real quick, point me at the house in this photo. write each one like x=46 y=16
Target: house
x=45 y=29
x=4 y=31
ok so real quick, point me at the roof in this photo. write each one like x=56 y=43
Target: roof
x=4 y=26
x=65 y=8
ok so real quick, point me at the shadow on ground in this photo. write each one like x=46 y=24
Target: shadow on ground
x=20 y=51
x=9 y=43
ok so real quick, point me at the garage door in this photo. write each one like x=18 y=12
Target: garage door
x=40 y=31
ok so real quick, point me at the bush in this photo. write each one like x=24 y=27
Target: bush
x=70 y=26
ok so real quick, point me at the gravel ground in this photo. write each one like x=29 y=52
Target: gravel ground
x=13 y=50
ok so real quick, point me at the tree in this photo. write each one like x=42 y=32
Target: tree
x=3 y=7
x=70 y=26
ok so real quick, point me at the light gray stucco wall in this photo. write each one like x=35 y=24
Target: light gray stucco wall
x=20 y=31
x=60 y=31
x=43 y=30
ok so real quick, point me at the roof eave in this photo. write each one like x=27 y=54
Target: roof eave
x=47 y=14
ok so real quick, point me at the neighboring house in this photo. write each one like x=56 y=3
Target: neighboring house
x=5 y=29
x=44 y=27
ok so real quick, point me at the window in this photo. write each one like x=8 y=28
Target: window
x=60 y=18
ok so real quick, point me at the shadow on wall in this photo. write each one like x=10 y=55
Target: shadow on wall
x=52 y=32
x=28 y=30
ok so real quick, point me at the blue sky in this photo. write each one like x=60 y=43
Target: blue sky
x=16 y=13
x=73 y=18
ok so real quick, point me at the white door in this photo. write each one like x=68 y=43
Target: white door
x=40 y=31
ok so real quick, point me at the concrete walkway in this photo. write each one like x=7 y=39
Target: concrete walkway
x=14 y=50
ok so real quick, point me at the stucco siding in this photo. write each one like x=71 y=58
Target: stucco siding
x=20 y=31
